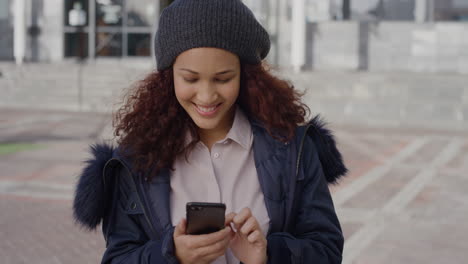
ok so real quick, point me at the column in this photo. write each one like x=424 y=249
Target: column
x=298 y=35
x=420 y=11
x=19 y=31
x=92 y=30
x=430 y=10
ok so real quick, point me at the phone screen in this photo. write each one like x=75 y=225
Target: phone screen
x=204 y=218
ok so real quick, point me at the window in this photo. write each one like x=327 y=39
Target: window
x=4 y=8
x=76 y=45
x=401 y=10
x=404 y=10
x=6 y=30
x=451 y=10
x=76 y=21
x=121 y=28
x=109 y=13
x=141 y=13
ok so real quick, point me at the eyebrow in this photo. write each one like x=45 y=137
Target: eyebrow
x=218 y=73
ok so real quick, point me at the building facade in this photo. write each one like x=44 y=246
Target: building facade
x=6 y=31
x=58 y=30
x=53 y=30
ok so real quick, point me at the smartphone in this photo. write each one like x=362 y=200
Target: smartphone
x=204 y=218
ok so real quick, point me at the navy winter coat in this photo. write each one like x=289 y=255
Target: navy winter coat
x=135 y=214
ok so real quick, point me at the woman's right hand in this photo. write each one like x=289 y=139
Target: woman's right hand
x=200 y=248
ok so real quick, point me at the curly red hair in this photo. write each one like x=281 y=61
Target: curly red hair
x=152 y=124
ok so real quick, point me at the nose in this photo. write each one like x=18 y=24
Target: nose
x=207 y=94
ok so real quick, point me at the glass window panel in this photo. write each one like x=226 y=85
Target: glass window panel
x=108 y=44
x=141 y=13
x=139 y=44
x=74 y=10
x=76 y=44
x=4 y=8
x=109 y=12
x=401 y=10
x=455 y=10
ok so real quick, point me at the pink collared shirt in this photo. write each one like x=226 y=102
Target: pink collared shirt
x=225 y=175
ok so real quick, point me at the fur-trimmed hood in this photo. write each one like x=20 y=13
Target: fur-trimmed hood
x=330 y=157
x=89 y=202
x=90 y=196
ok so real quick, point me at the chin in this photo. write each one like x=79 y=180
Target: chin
x=206 y=125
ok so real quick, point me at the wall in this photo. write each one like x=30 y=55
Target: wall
x=388 y=99
x=388 y=46
x=332 y=46
x=437 y=47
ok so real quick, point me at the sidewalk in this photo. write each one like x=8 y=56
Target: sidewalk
x=405 y=200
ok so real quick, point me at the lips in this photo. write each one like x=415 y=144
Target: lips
x=207 y=110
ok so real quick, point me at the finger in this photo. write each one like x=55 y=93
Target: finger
x=249 y=226
x=180 y=228
x=229 y=217
x=254 y=237
x=217 y=249
x=241 y=217
x=210 y=258
x=212 y=238
x=228 y=222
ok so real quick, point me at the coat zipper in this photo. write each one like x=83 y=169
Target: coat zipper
x=298 y=162
x=301 y=147
x=134 y=187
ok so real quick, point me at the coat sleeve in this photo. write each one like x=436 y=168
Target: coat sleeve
x=126 y=234
x=316 y=236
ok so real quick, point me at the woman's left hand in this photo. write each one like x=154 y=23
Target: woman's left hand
x=249 y=245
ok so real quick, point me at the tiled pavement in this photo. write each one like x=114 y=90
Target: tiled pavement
x=404 y=201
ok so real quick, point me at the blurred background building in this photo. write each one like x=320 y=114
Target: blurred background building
x=390 y=75
x=356 y=59
x=305 y=33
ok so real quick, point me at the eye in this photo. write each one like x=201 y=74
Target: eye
x=223 y=80
x=190 y=80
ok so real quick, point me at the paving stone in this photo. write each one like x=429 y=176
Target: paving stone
x=460 y=161
x=427 y=153
x=18 y=170
x=43 y=232
x=415 y=242
x=376 y=110
x=431 y=232
x=62 y=173
x=349 y=228
x=376 y=194
x=36 y=190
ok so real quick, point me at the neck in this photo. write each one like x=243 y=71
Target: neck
x=211 y=136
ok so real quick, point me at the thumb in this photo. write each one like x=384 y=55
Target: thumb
x=228 y=218
x=180 y=228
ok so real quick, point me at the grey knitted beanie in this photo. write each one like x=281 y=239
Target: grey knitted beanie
x=224 y=24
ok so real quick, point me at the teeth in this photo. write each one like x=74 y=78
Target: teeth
x=206 y=109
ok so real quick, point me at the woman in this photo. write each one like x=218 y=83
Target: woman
x=213 y=125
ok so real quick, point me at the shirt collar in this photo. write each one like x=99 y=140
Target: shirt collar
x=241 y=132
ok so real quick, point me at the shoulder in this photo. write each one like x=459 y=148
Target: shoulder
x=314 y=138
x=90 y=193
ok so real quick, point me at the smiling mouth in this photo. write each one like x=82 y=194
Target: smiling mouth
x=207 y=110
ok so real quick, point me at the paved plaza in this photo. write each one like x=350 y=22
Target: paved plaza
x=404 y=201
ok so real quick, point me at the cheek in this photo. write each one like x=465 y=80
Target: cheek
x=233 y=92
x=183 y=92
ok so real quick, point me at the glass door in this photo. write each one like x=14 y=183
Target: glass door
x=112 y=28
